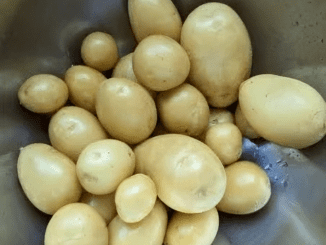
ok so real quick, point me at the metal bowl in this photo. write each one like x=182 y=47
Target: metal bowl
x=288 y=38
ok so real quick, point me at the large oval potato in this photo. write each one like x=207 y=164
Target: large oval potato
x=154 y=17
x=47 y=177
x=126 y=110
x=72 y=128
x=150 y=230
x=219 y=49
x=188 y=175
x=283 y=110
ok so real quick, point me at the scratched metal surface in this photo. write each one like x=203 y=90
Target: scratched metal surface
x=288 y=38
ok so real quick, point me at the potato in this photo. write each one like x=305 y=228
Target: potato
x=135 y=198
x=43 y=93
x=225 y=140
x=248 y=189
x=83 y=83
x=219 y=49
x=47 y=177
x=188 y=175
x=243 y=125
x=76 y=224
x=103 y=204
x=160 y=63
x=124 y=69
x=150 y=230
x=283 y=110
x=126 y=110
x=192 y=229
x=99 y=51
x=183 y=110
x=103 y=165
x=154 y=17
x=72 y=128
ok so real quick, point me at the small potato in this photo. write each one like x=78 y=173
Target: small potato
x=135 y=198
x=248 y=189
x=72 y=128
x=103 y=165
x=103 y=204
x=283 y=110
x=99 y=51
x=154 y=17
x=150 y=230
x=124 y=69
x=43 y=93
x=83 y=83
x=76 y=224
x=160 y=63
x=126 y=110
x=47 y=177
x=243 y=125
x=226 y=141
x=192 y=229
x=183 y=110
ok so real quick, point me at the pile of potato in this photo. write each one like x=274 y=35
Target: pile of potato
x=155 y=138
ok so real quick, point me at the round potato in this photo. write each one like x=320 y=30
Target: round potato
x=248 y=189
x=188 y=175
x=219 y=49
x=103 y=204
x=160 y=63
x=83 y=83
x=76 y=224
x=283 y=110
x=243 y=125
x=43 y=93
x=135 y=198
x=183 y=110
x=150 y=230
x=47 y=177
x=99 y=51
x=225 y=140
x=72 y=128
x=154 y=17
x=126 y=110
x=192 y=229
x=124 y=69
x=103 y=165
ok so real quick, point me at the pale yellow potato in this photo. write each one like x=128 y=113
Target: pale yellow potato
x=225 y=140
x=83 y=83
x=47 y=177
x=243 y=125
x=248 y=189
x=188 y=175
x=76 y=224
x=192 y=229
x=103 y=204
x=150 y=230
x=72 y=128
x=43 y=93
x=126 y=110
x=160 y=63
x=124 y=69
x=219 y=49
x=103 y=165
x=154 y=17
x=183 y=110
x=283 y=110
x=135 y=198
x=99 y=51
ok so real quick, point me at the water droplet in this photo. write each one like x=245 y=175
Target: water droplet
x=284 y=164
x=276 y=178
x=284 y=183
x=268 y=166
x=278 y=161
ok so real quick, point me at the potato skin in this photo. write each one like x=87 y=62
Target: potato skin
x=243 y=125
x=188 y=175
x=283 y=110
x=219 y=49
